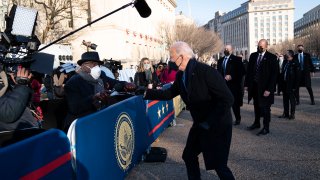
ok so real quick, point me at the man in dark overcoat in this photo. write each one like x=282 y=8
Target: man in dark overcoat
x=209 y=99
x=88 y=90
x=260 y=83
x=306 y=69
x=232 y=70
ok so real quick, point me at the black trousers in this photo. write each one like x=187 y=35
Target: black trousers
x=261 y=111
x=288 y=99
x=236 y=111
x=190 y=157
x=297 y=94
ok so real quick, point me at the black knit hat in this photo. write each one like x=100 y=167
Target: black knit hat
x=90 y=56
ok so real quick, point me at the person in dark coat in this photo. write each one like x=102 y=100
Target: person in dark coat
x=209 y=99
x=260 y=83
x=14 y=103
x=290 y=71
x=146 y=74
x=89 y=90
x=232 y=70
x=306 y=69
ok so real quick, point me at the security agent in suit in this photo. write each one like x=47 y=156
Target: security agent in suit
x=290 y=76
x=209 y=99
x=260 y=83
x=306 y=69
x=232 y=70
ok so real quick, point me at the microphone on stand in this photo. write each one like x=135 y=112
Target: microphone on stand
x=142 y=8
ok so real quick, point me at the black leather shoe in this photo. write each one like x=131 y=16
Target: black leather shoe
x=284 y=116
x=313 y=103
x=253 y=126
x=263 y=132
x=292 y=117
x=236 y=123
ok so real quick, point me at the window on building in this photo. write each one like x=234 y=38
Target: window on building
x=274 y=42
x=274 y=35
x=274 y=18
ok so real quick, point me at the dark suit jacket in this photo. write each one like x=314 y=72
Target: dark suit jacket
x=235 y=69
x=290 y=75
x=305 y=78
x=267 y=78
x=209 y=100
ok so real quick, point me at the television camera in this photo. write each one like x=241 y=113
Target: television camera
x=19 y=44
x=113 y=65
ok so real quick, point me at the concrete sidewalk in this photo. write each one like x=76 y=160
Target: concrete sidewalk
x=290 y=151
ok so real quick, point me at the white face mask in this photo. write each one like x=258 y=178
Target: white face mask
x=95 y=72
x=146 y=66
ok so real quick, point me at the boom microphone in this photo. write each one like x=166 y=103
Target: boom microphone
x=142 y=8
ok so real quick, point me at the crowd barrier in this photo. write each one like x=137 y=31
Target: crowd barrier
x=103 y=145
x=107 y=144
x=46 y=155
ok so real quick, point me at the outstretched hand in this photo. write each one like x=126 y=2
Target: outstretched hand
x=130 y=87
x=140 y=90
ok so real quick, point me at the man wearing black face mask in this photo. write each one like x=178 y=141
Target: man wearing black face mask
x=260 y=83
x=306 y=69
x=232 y=70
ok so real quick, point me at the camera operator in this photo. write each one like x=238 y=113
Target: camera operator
x=14 y=111
x=90 y=89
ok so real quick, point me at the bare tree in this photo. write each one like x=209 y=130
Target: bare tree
x=282 y=48
x=204 y=42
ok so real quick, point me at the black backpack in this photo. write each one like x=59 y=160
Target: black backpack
x=156 y=154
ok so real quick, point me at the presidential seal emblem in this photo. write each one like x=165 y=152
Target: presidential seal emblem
x=124 y=141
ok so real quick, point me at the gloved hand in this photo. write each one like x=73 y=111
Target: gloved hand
x=101 y=99
x=130 y=87
x=140 y=90
x=23 y=76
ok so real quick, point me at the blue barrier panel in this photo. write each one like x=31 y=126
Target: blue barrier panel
x=110 y=142
x=46 y=155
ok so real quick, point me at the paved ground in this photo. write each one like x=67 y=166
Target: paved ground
x=290 y=151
